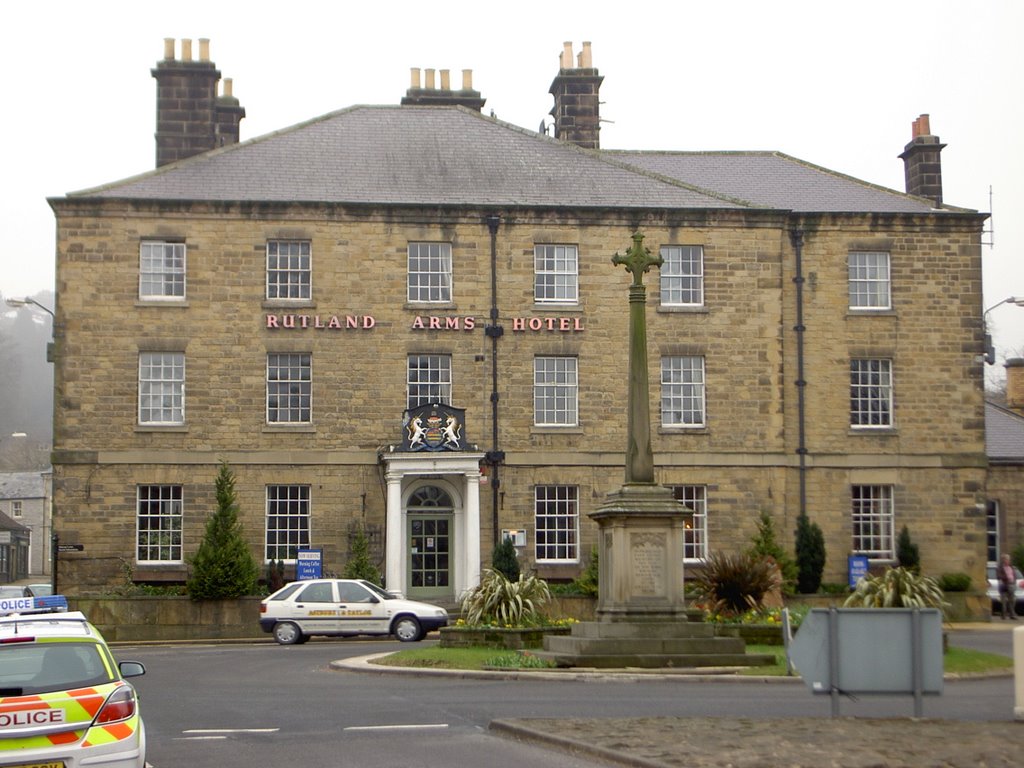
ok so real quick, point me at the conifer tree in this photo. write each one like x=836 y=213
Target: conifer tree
x=223 y=567
x=764 y=545
x=907 y=552
x=504 y=559
x=359 y=565
x=810 y=555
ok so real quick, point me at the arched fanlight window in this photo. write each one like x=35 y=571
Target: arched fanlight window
x=430 y=498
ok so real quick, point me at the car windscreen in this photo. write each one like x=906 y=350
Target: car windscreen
x=32 y=668
x=379 y=592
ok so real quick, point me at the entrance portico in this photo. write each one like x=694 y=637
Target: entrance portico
x=410 y=476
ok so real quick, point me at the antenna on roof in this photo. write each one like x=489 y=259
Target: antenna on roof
x=991 y=231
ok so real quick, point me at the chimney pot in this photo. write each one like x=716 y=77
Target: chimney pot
x=586 y=57
x=429 y=85
x=566 y=62
x=204 y=49
x=446 y=83
x=925 y=128
x=228 y=86
x=186 y=50
x=168 y=49
x=467 y=79
x=414 y=77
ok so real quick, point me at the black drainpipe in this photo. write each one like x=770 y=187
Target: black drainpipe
x=796 y=236
x=494 y=457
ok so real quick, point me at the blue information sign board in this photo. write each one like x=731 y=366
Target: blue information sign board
x=309 y=564
x=858 y=568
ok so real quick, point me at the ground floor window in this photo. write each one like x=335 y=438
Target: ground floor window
x=992 y=531
x=287 y=521
x=695 y=535
x=556 y=518
x=872 y=513
x=158 y=524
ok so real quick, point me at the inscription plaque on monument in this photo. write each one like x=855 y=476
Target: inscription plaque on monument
x=647 y=552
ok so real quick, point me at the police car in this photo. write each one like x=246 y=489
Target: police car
x=343 y=607
x=64 y=702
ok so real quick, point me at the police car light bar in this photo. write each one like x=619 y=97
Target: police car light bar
x=23 y=605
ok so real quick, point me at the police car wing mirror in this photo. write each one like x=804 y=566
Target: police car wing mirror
x=131 y=668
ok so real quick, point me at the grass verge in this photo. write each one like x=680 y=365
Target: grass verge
x=957 y=660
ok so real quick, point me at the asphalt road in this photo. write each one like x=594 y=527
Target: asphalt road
x=237 y=705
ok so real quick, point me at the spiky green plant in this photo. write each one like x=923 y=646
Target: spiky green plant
x=498 y=601
x=733 y=584
x=897 y=588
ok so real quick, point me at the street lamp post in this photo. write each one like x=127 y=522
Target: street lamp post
x=990 y=351
x=26 y=301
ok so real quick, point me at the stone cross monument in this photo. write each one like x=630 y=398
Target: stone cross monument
x=641 y=525
x=642 y=619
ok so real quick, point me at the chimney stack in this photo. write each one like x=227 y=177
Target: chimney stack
x=921 y=162
x=1015 y=384
x=190 y=117
x=577 y=109
x=430 y=96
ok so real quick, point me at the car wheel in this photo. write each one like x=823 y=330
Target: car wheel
x=407 y=629
x=287 y=633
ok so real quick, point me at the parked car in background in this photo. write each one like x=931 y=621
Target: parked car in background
x=345 y=607
x=39 y=590
x=993 y=590
x=12 y=590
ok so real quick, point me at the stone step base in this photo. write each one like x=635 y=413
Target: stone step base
x=656 y=661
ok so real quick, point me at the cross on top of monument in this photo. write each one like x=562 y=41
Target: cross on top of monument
x=638 y=259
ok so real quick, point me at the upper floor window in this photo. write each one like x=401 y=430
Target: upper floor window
x=682 y=391
x=555 y=391
x=287 y=521
x=871 y=393
x=682 y=275
x=429 y=380
x=162 y=388
x=161 y=270
x=555 y=274
x=16 y=510
x=288 y=269
x=289 y=388
x=872 y=514
x=556 y=521
x=158 y=524
x=695 y=533
x=869 y=282
x=430 y=272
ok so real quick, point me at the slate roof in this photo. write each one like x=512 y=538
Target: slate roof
x=1004 y=435
x=22 y=485
x=775 y=180
x=406 y=155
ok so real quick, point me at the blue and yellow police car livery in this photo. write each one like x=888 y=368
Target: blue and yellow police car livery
x=64 y=702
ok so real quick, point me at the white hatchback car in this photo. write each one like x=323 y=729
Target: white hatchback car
x=345 y=607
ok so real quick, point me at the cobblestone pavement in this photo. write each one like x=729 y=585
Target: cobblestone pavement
x=656 y=742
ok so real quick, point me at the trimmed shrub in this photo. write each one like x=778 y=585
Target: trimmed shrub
x=810 y=555
x=907 y=552
x=223 y=567
x=733 y=584
x=954 y=582
x=587 y=583
x=505 y=560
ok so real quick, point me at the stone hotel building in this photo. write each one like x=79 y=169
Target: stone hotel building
x=406 y=318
